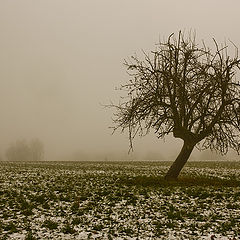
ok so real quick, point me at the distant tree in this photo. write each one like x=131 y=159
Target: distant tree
x=19 y=151
x=36 y=150
x=22 y=151
x=184 y=89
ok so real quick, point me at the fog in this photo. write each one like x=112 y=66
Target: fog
x=61 y=60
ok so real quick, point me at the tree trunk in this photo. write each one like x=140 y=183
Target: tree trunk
x=180 y=161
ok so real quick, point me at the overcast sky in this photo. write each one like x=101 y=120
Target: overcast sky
x=61 y=59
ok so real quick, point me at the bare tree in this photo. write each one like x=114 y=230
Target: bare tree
x=185 y=89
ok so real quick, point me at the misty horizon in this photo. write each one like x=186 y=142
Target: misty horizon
x=61 y=62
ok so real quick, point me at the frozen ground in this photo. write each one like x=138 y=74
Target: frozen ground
x=119 y=200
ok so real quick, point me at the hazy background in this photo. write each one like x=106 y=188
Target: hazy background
x=61 y=59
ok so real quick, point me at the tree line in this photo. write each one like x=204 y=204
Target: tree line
x=22 y=150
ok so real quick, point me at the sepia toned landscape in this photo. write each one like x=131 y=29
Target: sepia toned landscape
x=120 y=120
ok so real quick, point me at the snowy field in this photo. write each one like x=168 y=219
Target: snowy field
x=119 y=200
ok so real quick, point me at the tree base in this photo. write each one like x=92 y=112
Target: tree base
x=170 y=179
x=180 y=161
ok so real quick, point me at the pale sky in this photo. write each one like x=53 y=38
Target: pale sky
x=61 y=59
